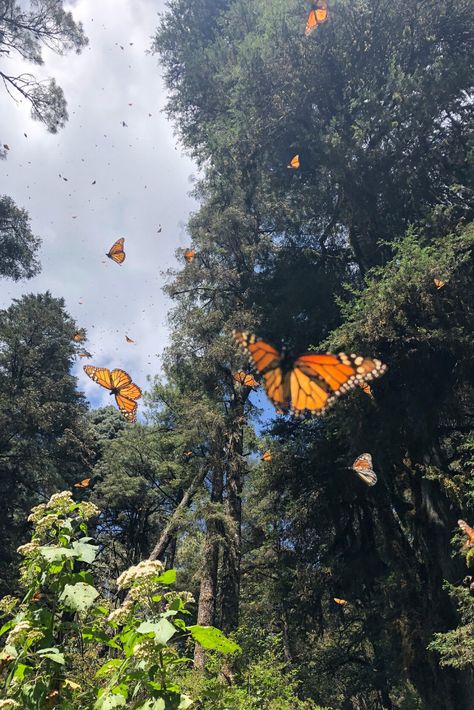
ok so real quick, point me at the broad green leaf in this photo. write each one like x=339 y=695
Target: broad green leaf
x=162 y=631
x=20 y=671
x=211 y=638
x=107 y=667
x=185 y=703
x=85 y=552
x=152 y=704
x=109 y=701
x=78 y=597
x=168 y=577
x=55 y=554
x=53 y=654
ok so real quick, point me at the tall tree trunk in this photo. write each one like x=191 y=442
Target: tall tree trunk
x=208 y=588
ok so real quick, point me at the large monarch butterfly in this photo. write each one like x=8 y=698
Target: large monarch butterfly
x=294 y=163
x=245 y=378
x=364 y=469
x=189 y=255
x=469 y=532
x=317 y=15
x=120 y=384
x=309 y=383
x=116 y=252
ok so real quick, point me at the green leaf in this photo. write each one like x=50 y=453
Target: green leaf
x=152 y=704
x=185 y=703
x=55 y=554
x=162 y=631
x=109 y=665
x=20 y=671
x=107 y=702
x=211 y=638
x=168 y=577
x=78 y=597
x=85 y=552
x=53 y=654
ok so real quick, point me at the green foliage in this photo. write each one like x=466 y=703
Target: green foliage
x=45 y=658
x=456 y=647
x=25 y=28
x=18 y=244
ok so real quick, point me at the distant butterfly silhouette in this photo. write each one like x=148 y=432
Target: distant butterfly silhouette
x=244 y=378
x=85 y=353
x=116 y=252
x=363 y=468
x=294 y=163
x=341 y=602
x=129 y=340
x=79 y=336
x=468 y=531
x=83 y=484
x=120 y=384
x=317 y=15
x=266 y=456
x=189 y=255
x=309 y=383
x=439 y=283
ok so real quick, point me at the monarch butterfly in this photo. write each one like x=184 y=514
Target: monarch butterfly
x=363 y=468
x=129 y=340
x=120 y=384
x=79 y=336
x=189 y=255
x=341 y=602
x=439 y=283
x=244 y=378
x=85 y=353
x=294 y=163
x=266 y=456
x=317 y=15
x=469 y=532
x=367 y=389
x=83 y=484
x=310 y=383
x=116 y=252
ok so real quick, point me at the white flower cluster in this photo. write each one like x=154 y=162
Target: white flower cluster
x=8 y=603
x=46 y=522
x=37 y=513
x=8 y=703
x=60 y=502
x=186 y=597
x=22 y=627
x=143 y=572
x=28 y=548
x=89 y=510
x=119 y=615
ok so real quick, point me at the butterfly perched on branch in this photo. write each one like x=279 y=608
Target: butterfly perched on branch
x=245 y=378
x=309 y=383
x=317 y=15
x=120 y=384
x=116 y=252
x=364 y=469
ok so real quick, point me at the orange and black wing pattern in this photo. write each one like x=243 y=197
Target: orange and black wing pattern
x=313 y=382
x=341 y=602
x=245 y=378
x=120 y=384
x=294 y=163
x=439 y=283
x=83 y=484
x=317 y=15
x=266 y=456
x=116 y=252
x=468 y=531
x=362 y=466
x=189 y=255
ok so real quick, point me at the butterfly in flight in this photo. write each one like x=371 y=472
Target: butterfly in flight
x=362 y=466
x=120 y=384
x=439 y=283
x=309 y=383
x=129 y=340
x=266 y=456
x=83 y=484
x=79 y=336
x=365 y=387
x=116 y=252
x=85 y=353
x=189 y=255
x=245 y=378
x=294 y=163
x=341 y=602
x=469 y=532
x=317 y=15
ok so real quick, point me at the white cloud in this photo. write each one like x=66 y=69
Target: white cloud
x=142 y=181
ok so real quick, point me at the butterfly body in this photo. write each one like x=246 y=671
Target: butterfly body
x=116 y=252
x=308 y=383
x=120 y=385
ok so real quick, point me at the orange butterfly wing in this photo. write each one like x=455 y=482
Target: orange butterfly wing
x=468 y=531
x=79 y=336
x=341 y=602
x=244 y=378
x=127 y=406
x=82 y=484
x=362 y=466
x=294 y=163
x=116 y=252
x=101 y=375
x=439 y=283
x=189 y=255
x=367 y=389
x=266 y=456
x=317 y=16
x=266 y=360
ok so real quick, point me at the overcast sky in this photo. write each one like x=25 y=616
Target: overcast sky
x=142 y=181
